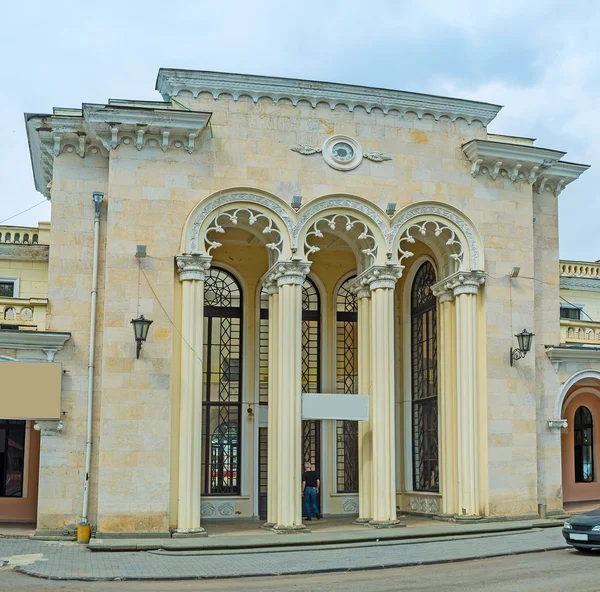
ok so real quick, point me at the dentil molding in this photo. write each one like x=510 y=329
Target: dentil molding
x=540 y=167
x=171 y=82
x=98 y=129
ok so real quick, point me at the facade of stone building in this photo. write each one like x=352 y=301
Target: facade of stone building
x=300 y=238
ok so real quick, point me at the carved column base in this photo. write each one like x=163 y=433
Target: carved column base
x=386 y=524
x=293 y=529
x=268 y=525
x=468 y=518
x=362 y=521
x=188 y=533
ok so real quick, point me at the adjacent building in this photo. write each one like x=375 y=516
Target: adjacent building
x=291 y=238
x=31 y=381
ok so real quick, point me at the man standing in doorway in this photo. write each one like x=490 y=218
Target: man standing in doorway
x=310 y=489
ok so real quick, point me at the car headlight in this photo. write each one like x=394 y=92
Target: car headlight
x=596 y=528
x=569 y=527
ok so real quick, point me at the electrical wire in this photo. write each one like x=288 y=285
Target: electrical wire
x=27 y=210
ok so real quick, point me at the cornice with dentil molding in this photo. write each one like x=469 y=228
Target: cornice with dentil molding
x=171 y=82
x=540 y=167
x=98 y=129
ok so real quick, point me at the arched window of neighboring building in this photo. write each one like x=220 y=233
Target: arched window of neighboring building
x=424 y=381
x=346 y=383
x=26 y=238
x=222 y=382
x=17 y=238
x=35 y=239
x=584 y=445
x=7 y=237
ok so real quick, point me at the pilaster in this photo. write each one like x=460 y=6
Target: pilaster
x=192 y=271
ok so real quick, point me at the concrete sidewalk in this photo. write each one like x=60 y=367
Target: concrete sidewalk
x=344 y=534
x=70 y=561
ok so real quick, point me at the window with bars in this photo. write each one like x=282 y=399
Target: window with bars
x=424 y=379
x=346 y=383
x=584 y=445
x=222 y=382
x=12 y=457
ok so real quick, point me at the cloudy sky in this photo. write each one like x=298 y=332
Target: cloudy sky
x=539 y=58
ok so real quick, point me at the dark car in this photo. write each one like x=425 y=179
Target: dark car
x=583 y=531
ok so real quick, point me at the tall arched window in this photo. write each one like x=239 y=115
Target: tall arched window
x=222 y=405
x=311 y=369
x=424 y=381
x=584 y=445
x=346 y=383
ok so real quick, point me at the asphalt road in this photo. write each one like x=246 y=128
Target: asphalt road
x=548 y=572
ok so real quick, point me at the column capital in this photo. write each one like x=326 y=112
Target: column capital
x=463 y=282
x=359 y=289
x=442 y=292
x=49 y=427
x=380 y=276
x=192 y=267
x=287 y=272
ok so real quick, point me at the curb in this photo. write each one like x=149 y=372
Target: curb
x=299 y=572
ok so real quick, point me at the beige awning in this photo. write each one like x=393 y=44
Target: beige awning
x=30 y=390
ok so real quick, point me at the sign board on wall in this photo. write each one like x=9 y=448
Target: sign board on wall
x=341 y=407
x=30 y=390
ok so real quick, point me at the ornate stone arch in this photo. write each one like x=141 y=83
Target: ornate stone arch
x=447 y=230
x=566 y=386
x=358 y=221
x=265 y=216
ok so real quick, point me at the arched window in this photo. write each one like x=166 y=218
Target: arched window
x=17 y=238
x=346 y=383
x=26 y=238
x=222 y=381
x=424 y=381
x=311 y=369
x=35 y=239
x=584 y=445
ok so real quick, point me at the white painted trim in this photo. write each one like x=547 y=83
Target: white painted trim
x=406 y=394
x=564 y=389
x=15 y=280
x=256 y=407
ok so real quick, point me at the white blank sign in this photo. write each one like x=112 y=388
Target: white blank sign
x=322 y=406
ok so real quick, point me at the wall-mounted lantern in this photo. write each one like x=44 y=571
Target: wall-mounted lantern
x=140 y=331
x=524 y=339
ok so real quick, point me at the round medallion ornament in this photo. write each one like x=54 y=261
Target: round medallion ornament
x=342 y=153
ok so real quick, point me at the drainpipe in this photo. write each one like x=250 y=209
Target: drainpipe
x=98 y=197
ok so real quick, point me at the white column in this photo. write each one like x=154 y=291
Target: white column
x=465 y=286
x=192 y=272
x=272 y=443
x=381 y=280
x=289 y=276
x=447 y=400
x=365 y=428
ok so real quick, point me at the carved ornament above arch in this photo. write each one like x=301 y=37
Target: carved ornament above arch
x=440 y=221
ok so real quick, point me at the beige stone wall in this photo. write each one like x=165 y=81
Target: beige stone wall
x=69 y=292
x=149 y=195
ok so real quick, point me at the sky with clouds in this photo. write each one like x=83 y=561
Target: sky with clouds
x=538 y=58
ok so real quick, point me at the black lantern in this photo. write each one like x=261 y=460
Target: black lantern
x=524 y=340
x=140 y=331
